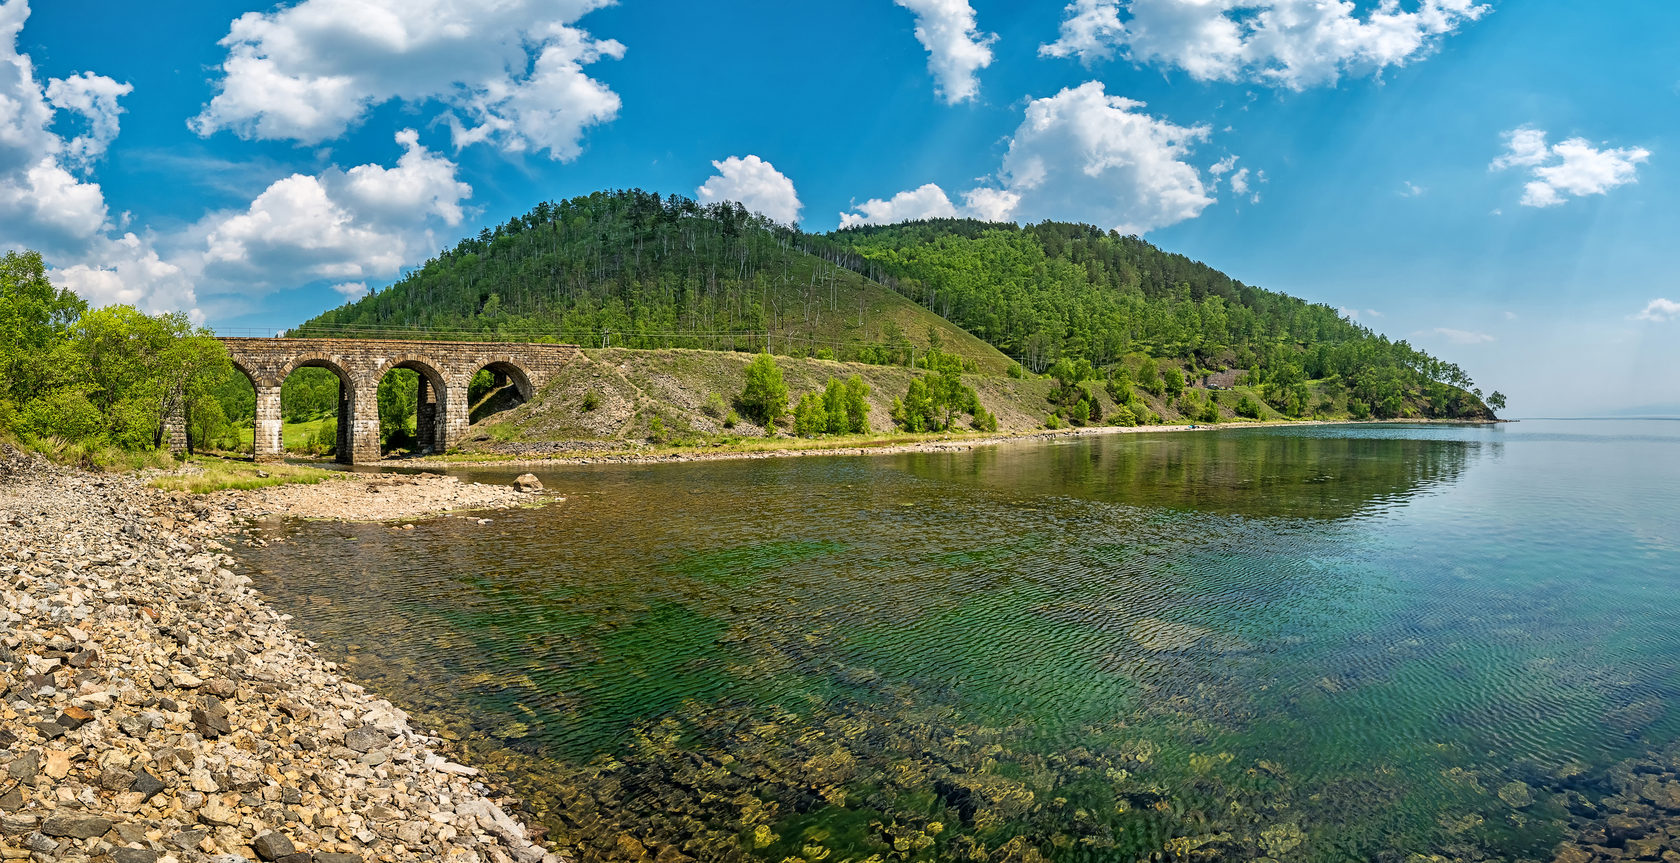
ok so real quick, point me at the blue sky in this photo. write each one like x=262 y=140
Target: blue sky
x=1494 y=181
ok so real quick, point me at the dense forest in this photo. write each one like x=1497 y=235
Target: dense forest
x=638 y=269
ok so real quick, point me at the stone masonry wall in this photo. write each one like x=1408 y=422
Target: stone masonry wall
x=445 y=368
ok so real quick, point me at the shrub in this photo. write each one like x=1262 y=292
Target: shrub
x=656 y=430
x=591 y=400
x=1122 y=416
x=731 y=419
x=810 y=419
x=765 y=396
x=714 y=407
x=1015 y=371
x=1248 y=407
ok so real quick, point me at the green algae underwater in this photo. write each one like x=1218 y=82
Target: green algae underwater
x=1374 y=642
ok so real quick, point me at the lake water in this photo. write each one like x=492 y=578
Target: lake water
x=1311 y=643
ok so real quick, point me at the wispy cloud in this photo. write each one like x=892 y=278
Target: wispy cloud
x=1659 y=310
x=1412 y=190
x=1462 y=337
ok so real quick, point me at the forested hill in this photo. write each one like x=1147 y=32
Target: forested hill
x=634 y=269
x=637 y=269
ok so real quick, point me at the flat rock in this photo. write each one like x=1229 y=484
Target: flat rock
x=75 y=826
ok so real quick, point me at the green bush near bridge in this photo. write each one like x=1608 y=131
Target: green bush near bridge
x=85 y=385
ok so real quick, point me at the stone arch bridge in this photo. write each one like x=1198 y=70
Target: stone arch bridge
x=445 y=369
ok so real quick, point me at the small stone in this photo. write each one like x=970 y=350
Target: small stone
x=201 y=780
x=115 y=779
x=39 y=844
x=363 y=739
x=133 y=855
x=212 y=719
x=186 y=840
x=83 y=658
x=273 y=846
x=185 y=679
x=58 y=764
x=147 y=784
x=294 y=710
x=73 y=718
x=11 y=801
x=336 y=857
x=24 y=767
x=375 y=758
x=221 y=687
x=218 y=814
x=75 y=826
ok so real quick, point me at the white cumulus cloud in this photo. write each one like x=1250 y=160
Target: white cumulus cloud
x=1082 y=155
x=94 y=97
x=1659 y=310
x=347 y=226
x=1572 y=168
x=47 y=207
x=1285 y=43
x=1085 y=155
x=756 y=185
x=925 y=202
x=511 y=72
x=1090 y=32
x=957 y=50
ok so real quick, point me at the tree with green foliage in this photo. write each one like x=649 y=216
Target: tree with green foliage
x=764 y=398
x=1172 y=381
x=1496 y=401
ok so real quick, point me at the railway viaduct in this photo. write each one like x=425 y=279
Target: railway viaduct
x=445 y=369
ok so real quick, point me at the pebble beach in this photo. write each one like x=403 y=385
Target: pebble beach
x=154 y=708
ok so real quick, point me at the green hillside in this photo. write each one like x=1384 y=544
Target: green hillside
x=639 y=270
x=633 y=269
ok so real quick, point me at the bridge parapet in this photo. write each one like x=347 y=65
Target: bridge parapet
x=445 y=369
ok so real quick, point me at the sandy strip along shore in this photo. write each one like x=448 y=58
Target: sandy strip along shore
x=154 y=708
x=556 y=456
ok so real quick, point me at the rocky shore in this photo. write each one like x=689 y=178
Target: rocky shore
x=154 y=708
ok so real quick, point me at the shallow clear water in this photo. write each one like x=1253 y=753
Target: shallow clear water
x=1331 y=642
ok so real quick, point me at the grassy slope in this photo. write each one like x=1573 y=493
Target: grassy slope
x=634 y=387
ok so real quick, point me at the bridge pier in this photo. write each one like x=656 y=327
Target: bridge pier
x=267 y=425
x=426 y=417
x=363 y=412
x=455 y=419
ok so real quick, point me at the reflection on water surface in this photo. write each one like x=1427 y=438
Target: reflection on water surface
x=1306 y=643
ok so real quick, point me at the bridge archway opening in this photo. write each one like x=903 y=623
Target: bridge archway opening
x=496 y=387
x=316 y=409
x=412 y=407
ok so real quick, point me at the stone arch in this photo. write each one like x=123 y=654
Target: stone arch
x=513 y=369
x=351 y=435
x=431 y=402
x=258 y=384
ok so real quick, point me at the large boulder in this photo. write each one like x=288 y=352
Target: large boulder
x=528 y=483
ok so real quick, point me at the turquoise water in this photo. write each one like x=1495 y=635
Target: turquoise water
x=1328 y=643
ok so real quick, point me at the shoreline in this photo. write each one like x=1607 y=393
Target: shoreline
x=157 y=709
x=804 y=447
